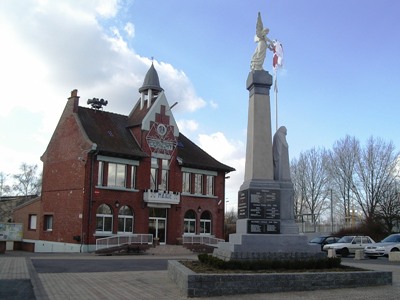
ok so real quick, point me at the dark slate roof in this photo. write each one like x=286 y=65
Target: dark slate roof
x=194 y=157
x=151 y=81
x=112 y=136
x=109 y=132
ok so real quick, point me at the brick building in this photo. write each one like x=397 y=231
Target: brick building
x=106 y=174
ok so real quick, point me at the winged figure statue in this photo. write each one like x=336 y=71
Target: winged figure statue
x=263 y=43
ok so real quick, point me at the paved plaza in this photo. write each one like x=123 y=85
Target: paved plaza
x=83 y=276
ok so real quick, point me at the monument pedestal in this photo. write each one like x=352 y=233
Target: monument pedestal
x=266 y=228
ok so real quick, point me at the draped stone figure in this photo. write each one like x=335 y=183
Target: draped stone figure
x=280 y=152
x=263 y=43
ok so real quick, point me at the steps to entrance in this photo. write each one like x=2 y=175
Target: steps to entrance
x=169 y=250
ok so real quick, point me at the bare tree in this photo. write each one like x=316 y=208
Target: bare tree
x=375 y=174
x=389 y=208
x=27 y=182
x=297 y=170
x=311 y=181
x=5 y=189
x=342 y=161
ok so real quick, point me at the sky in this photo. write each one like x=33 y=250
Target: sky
x=341 y=73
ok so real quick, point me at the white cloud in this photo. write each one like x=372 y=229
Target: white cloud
x=54 y=47
x=130 y=29
x=213 y=104
x=187 y=125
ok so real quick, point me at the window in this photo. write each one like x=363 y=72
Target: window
x=116 y=175
x=189 y=222
x=186 y=183
x=153 y=173
x=157 y=183
x=100 y=174
x=32 y=222
x=164 y=175
x=114 y=172
x=104 y=219
x=133 y=177
x=205 y=223
x=198 y=183
x=125 y=220
x=48 y=222
x=210 y=185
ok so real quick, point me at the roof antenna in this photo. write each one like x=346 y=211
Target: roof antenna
x=97 y=103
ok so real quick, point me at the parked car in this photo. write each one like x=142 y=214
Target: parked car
x=324 y=240
x=349 y=244
x=390 y=243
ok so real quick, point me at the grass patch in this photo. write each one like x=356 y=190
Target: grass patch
x=210 y=264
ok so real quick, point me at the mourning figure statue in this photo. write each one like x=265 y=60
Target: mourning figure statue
x=280 y=150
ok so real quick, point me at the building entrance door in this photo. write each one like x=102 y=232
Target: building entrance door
x=158 y=223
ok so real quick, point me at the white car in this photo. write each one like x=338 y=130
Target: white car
x=389 y=244
x=349 y=244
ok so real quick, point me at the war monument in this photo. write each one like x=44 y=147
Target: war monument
x=266 y=228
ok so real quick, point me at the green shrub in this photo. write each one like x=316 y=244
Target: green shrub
x=295 y=264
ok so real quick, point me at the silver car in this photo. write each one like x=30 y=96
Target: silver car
x=388 y=244
x=349 y=244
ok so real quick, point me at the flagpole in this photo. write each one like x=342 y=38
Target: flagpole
x=276 y=101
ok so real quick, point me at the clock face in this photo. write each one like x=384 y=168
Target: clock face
x=161 y=129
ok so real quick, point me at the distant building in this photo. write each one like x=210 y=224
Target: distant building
x=106 y=174
x=8 y=203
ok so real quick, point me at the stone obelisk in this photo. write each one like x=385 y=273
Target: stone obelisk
x=265 y=228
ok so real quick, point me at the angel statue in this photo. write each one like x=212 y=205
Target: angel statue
x=264 y=42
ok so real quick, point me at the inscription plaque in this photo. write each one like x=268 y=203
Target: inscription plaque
x=263 y=226
x=259 y=204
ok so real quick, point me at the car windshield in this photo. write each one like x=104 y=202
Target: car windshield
x=317 y=240
x=346 y=239
x=391 y=239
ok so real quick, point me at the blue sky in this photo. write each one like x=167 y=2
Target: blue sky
x=341 y=70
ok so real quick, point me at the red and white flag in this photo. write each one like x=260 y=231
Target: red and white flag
x=277 y=59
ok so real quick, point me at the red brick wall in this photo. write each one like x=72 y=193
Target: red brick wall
x=21 y=215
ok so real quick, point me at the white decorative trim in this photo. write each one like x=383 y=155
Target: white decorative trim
x=118 y=160
x=199 y=171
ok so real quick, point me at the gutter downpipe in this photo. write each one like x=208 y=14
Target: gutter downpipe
x=93 y=153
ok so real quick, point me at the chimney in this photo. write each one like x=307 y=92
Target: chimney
x=75 y=100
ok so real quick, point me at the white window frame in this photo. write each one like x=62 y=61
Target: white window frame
x=198 y=184
x=104 y=217
x=210 y=185
x=32 y=222
x=124 y=218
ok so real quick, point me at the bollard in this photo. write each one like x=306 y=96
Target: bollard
x=331 y=253
x=359 y=254
x=394 y=256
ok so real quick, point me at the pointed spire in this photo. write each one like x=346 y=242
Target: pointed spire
x=151 y=81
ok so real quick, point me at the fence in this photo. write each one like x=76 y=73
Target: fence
x=201 y=239
x=118 y=240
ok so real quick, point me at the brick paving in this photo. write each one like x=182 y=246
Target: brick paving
x=16 y=270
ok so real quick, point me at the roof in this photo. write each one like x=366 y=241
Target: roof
x=195 y=157
x=151 y=81
x=109 y=132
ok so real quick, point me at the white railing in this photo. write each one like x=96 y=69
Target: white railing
x=118 y=240
x=201 y=239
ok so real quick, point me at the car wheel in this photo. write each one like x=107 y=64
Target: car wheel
x=344 y=252
x=395 y=250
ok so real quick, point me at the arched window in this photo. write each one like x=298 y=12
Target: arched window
x=104 y=219
x=190 y=222
x=205 y=223
x=125 y=220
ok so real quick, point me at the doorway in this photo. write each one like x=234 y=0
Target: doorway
x=158 y=223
